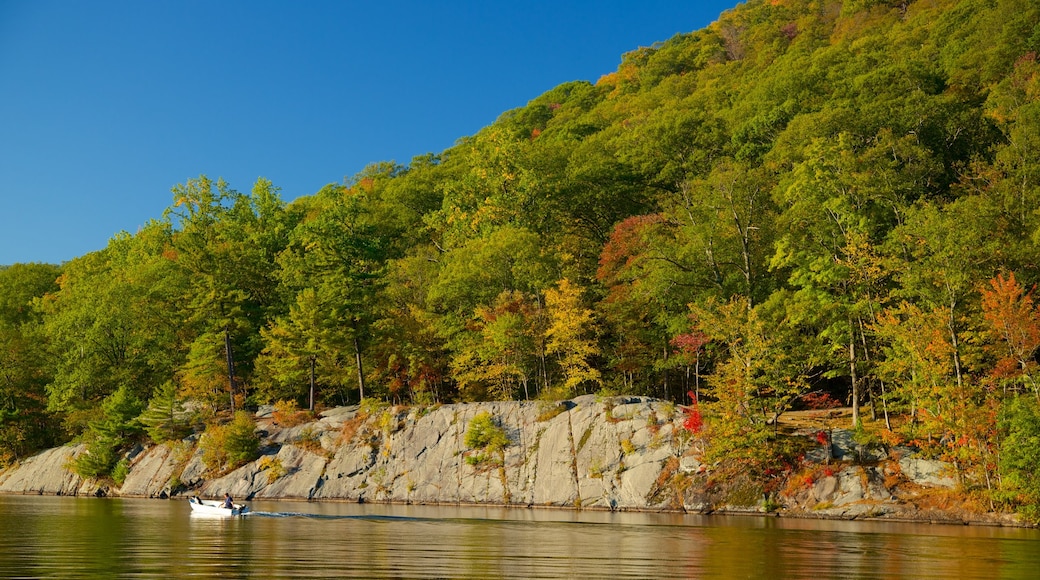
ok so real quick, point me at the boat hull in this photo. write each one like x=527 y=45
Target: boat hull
x=215 y=508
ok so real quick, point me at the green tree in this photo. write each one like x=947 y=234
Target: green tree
x=167 y=418
x=226 y=244
x=508 y=354
x=840 y=203
x=334 y=265
x=109 y=324
x=114 y=429
x=25 y=424
x=20 y=285
x=759 y=372
x=1020 y=455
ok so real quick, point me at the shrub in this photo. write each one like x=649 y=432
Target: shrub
x=547 y=410
x=232 y=445
x=388 y=422
x=288 y=414
x=351 y=427
x=310 y=440
x=370 y=406
x=819 y=400
x=120 y=471
x=273 y=466
x=488 y=439
x=97 y=461
x=627 y=447
x=484 y=433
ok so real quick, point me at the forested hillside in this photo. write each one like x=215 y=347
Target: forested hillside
x=809 y=202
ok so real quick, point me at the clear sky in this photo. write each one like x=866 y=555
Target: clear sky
x=106 y=105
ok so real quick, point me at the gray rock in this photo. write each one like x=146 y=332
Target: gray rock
x=928 y=472
x=47 y=473
x=150 y=472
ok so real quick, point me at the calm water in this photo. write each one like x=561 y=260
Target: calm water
x=55 y=537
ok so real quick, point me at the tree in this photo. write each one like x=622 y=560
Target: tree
x=1020 y=455
x=759 y=371
x=25 y=424
x=644 y=291
x=508 y=349
x=333 y=264
x=20 y=285
x=167 y=417
x=109 y=434
x=918 y=363
x=1014 y=319
x=946 y=252
x=112 y=323
x=571 y=337
x=839 y=204
x=226 y=244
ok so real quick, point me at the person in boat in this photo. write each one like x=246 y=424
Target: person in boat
x=228 y=502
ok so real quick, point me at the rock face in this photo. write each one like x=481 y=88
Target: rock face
x=45 y=473
x=618 y=453
x=580 y=453
x=566 y=456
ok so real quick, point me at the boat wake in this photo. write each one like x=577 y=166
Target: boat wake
x=329 y=517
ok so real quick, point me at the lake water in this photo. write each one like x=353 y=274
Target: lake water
x=61 y=537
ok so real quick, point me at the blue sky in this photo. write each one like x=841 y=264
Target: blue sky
x=106 y=105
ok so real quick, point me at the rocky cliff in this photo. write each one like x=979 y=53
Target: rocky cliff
x=622 y=453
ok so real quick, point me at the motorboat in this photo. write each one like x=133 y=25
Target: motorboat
x=216 y=508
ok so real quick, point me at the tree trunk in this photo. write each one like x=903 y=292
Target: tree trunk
x=310 y=403
x=665 y=385
x=230 y=366
x=855 y=382
x=951 y=323
x=360 y=370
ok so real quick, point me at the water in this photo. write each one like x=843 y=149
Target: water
x=57 y=537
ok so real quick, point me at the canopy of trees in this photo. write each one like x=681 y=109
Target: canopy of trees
x=807 y=196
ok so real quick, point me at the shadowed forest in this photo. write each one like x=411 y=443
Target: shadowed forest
x=807 y=204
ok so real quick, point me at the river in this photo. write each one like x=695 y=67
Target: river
x=64 y=537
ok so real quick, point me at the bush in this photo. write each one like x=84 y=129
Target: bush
x=310 y=440
x=274 y=468
x=483 y=433
x=288 y=414
x=488 y=439
x=120 y=471
x=97 y=461
x=549 y=410
x=225 y=447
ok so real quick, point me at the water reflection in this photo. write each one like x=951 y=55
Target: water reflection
x=47 y=537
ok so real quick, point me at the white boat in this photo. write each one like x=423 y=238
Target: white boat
x=216 y=508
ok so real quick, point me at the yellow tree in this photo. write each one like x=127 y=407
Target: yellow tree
x=505 y=357
x=571 y=336
x=919 y=362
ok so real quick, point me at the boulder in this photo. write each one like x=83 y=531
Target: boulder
x=927 y=472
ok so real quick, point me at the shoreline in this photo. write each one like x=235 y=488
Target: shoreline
x=625 y=454
x=998 y=522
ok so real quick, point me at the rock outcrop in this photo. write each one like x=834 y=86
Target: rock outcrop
x=621 y=453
